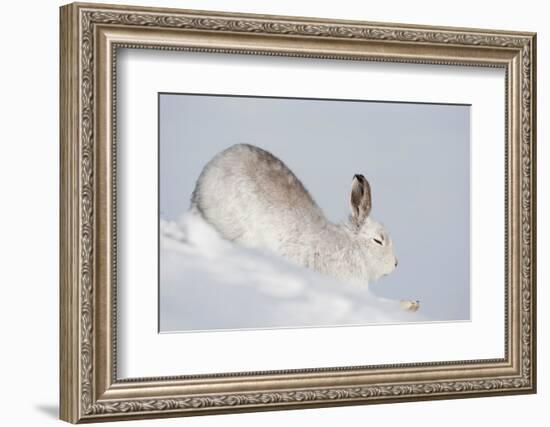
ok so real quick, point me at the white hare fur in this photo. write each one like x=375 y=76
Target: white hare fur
x=251 y=197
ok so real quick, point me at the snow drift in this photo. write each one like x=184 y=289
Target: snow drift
x=209 y=283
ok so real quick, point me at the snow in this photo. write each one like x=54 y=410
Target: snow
x=209 y=283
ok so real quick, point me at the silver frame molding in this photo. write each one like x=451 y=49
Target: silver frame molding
x=90 y=37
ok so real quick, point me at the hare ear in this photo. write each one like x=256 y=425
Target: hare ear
x=360 y=201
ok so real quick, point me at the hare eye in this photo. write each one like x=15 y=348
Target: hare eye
x=378 y=241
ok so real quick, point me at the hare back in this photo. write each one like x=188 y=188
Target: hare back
x=252 y=197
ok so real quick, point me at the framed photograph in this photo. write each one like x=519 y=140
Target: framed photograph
x=266 y=212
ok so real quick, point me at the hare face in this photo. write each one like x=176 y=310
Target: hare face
x=374 y=244
x=379 y=258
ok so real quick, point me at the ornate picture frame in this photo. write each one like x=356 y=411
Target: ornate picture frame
x=90 y=37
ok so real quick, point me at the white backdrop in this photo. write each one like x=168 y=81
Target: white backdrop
x=29 y=218
x=145 y=353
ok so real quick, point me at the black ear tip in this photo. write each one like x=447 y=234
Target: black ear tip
x=358 y=177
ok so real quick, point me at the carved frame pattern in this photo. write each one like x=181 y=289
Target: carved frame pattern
x=80 y=401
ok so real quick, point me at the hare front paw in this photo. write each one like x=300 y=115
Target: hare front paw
x=410 y=305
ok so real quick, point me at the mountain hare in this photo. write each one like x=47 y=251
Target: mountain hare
x=251 y=197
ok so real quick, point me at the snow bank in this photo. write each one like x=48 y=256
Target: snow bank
x=209 y=283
